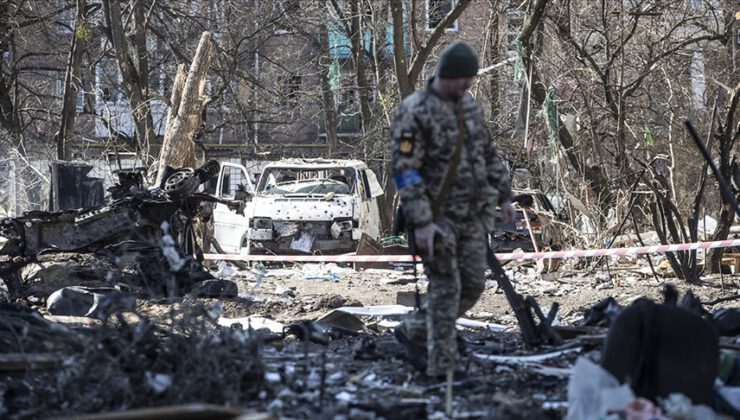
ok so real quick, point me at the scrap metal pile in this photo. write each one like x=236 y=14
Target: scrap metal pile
x=143 y=232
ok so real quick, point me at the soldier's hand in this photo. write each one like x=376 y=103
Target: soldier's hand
x=425 y=237
x=508 y=214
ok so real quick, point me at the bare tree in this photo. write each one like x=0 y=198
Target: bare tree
x=408 y=73
x=134 y=68
x=727 y=135
x=72 y=78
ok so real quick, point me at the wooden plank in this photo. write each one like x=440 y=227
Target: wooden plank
x=13 y=362
x=178 y=412
x=74 y=320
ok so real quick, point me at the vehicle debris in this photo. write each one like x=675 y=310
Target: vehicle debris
x=137 y=231
x=537 y=225
x=97 y=302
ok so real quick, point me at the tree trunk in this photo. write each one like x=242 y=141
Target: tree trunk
x=358 y=54
x=492 y=56
x=133 y=74
x=71 y=84
x=330 y=107
x=8 y=79
x=178 y=148
x=175 y=97
x=408 y=76
x=714 y=256
x=728 y=135
x=405 y=87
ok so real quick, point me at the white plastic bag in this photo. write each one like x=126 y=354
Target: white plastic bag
x=593 y=392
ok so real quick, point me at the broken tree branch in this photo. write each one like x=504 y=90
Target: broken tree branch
x=178 y=148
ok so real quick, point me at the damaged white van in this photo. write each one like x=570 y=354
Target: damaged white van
x=304 y=206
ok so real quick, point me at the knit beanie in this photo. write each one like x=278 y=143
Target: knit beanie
x=458 y=60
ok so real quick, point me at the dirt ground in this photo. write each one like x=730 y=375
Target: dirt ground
x=300 y=291
x=353 y=376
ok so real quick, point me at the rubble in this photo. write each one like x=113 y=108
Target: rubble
x=349 y=366
x=90 y=302
x=299 y=341
x=134 y=233
x=129 y=364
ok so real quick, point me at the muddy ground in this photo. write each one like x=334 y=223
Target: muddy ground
x=353 y=376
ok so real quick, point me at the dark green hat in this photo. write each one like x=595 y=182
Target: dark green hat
x=458 y=60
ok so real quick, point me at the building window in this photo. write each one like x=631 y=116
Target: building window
x=348 y=115
x=436 y=12
x=291 y=91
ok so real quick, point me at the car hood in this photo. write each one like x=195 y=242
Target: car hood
x=303 y=208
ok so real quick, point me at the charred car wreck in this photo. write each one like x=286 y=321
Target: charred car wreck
x=150 y=230
x=535 y=226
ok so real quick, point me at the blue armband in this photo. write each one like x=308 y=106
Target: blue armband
x=408 y=178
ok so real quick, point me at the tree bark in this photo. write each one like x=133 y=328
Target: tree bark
x=134 y=74
x=330 y=107
x=178 y=148
x=492 y=56
x=175 y=97
x=8 y=76
x=408 y=76
x=71 y=85
x=728 y=135
x=358 y=53
x=405 y=87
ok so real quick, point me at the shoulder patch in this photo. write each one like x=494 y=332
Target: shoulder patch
x=406 y=146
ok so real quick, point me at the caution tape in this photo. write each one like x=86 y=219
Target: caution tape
x=635 y=250
x=639 y=250
x=314 y=258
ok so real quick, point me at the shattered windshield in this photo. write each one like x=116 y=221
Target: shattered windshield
x=307 y=181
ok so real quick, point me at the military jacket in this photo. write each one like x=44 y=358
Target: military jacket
x=424 y=135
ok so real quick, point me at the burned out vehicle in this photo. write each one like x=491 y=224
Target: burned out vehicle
x=535 y=213
x=304 y=206
x=130 y=230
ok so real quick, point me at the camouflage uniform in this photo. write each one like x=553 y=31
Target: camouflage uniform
x=425 y=133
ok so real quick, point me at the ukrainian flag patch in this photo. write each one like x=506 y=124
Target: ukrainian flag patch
x=406 y=146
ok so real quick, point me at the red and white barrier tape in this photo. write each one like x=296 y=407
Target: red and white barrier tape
x=638 y=250
x=312 y=258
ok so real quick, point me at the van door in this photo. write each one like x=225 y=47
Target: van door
x=229 y=227
x=370 y=213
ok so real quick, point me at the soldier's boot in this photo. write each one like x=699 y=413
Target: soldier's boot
x=459 y=372
x=462 y=348
x=416 y=355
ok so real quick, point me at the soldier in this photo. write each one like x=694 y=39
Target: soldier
x=450 y=181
